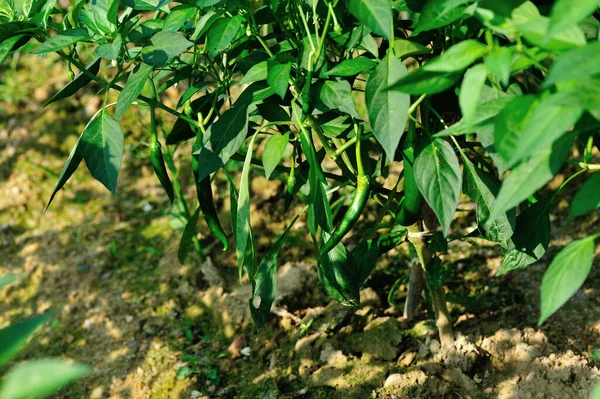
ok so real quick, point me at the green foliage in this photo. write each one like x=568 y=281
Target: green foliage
x=323 y=76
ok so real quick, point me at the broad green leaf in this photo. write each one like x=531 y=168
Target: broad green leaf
x=528 y=124
x=587 y=198
x=39 y=378
x=205 y=22
x=531 y=175
x=500 y=62
x=223 y=139
x=439 y=178
x=458 y=57
x=7 y=46
x=504 y=8
x=278 y=77
x=13 y=337
x=530 y=239
x=264 y=282
x=146 y=5
x=568 y=13
x=73 y=86
x=100 y=16
x=272 y=111
x=439 y=13
x=41 y=17
x=405 y=48
x=189 y=232
x=75 y=158
x=388 y=109
x=222 y=33
x=575 y=64
x=352 y=67
x=482 y=189
x=485 y=114
x=62 y=40
x=190 y=91
x=436 y=274
x=375 y=14
x=339 y=275
x=424 y=82
x=178 y=17
x=585 y=94
x=337 y=94
x=273 y=152
x=259 y=71
x=165 y=46
x=7 y=279
x=470 y=92
x=207 y=3
x=101 y=145
x=534 y=31
x=110 y=51
x=243 y=227
x=566 y=275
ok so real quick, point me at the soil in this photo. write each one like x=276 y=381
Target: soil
x=152 y=328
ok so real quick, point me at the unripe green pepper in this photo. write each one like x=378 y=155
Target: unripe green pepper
x=410 y=209
x=158 y=163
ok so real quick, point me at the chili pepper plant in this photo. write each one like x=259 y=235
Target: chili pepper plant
x=484 y=101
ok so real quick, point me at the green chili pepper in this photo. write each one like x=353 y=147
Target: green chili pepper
x=410 y=209
x=207 y=205
x=361 y=195
x=158 y=163
x=291 y=184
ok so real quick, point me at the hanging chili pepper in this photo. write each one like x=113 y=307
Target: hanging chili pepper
x=410 y=209
x=291 y=184
x=207 y=206
x=361 y=195
x=158 y=163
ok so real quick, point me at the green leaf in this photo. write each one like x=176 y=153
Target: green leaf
x=189 y=232
x=62 y=40
x=568 y=13
x=223 y=139
x=439 y=178
x=339 y=274
x=458 y=57
x=531 y=175
x=273 y=152
x=375 y=14
x=338 y=95
x=73 y=86
x=534 y=31
x=110 y=51
x=257 y=72
x=7 y=46
x=222 y=33
x=243 y=227
x=75 y=158
x=585 y=94
x=482 y=189
x=405 y=48
x=566 y=275
x=352 y=67
x=500 y=62
x=587 y=198
x=530 y=240
x=575 y=64
x=178 y=17
x=528 y=124
x=439 y=13
x=133 y=88
x=7 y=279
x=485 y=115
x=100 y=16
x=165 y=46
x=264 y=282
x=470 y=92
x=436 y=274
x=424 y=82
x=278 y=76
x=272 y=111
x=38 y=378
x=388 y=109
x=13 y=337
x=101 y=145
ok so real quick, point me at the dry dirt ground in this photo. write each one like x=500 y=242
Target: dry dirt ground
x=152 y=328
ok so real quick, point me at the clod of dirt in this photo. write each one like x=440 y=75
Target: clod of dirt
x=379 y=339
x=332 y=356
x=292 y=280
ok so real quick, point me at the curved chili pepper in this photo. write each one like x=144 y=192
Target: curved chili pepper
x=291 y=184
x=410 y=209
x=158 y=163
x=361 y=195
x=207 y=205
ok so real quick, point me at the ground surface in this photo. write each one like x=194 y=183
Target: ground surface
x=107 y=266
